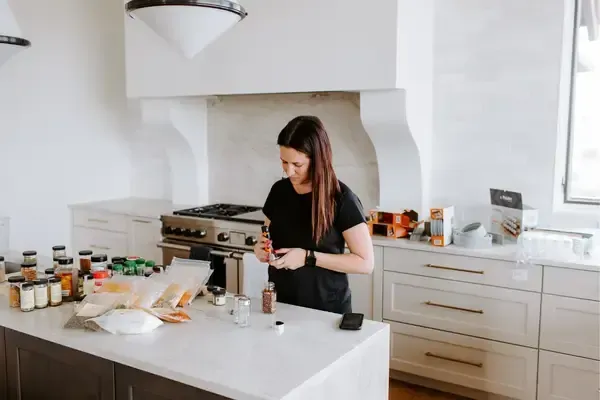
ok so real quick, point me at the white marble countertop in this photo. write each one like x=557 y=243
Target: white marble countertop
x=132 y=206
x=497 y=252
x=211 y=352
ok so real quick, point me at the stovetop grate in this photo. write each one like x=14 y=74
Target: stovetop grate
x=217 y=211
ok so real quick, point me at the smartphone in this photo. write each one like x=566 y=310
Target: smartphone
x=352 y=321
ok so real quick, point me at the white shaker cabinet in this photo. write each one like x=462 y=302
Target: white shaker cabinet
x=563 y=377
x=143 y=235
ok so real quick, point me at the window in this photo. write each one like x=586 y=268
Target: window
x=582 y=183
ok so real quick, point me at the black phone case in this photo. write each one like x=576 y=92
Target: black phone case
x=349 y=324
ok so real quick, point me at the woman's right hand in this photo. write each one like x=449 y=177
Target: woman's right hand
x=259 y=249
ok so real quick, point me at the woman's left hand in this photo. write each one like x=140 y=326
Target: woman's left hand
x=291 y=258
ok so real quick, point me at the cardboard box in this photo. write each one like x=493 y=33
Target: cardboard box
x=441 y=225
x=510 y=216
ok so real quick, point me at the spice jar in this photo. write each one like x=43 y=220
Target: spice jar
x=85 y=260
x=140 y=266
x=49 y=272
x=149 y=266
x=2 y=270
x=129 y=268
x=65 y=272
x=243 y=312
x=269 y=298
x=40 y=292
x=99 y=262
x=30 y=256
x=117 y=269
x=99 y=278
x=88 y=284
x=219 y=297
x=29 y=270
x=14 y=290
x=57 y=252
x=27 y=297
x=55 y=286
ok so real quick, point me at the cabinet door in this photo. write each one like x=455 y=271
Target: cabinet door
x=133 y=384
x=100 y=241
x=3 y=381
x=563 y=377
x=144 y=234
x=37 y=369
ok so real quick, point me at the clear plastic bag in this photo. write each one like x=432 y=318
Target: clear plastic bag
x=124 y=322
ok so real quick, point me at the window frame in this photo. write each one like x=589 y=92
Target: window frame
x=567 y=198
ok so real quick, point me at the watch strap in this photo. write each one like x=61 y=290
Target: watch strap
x=311 y=260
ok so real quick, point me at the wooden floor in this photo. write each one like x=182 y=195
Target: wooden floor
x=404 y=391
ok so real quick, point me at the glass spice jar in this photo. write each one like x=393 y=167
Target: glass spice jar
x=88 y=284
x=14 y=290
x=85 y=260
x=65 y=272
x=27 y=297
x=140 y=266
x=40 y=293
x=99 y=278
x=29 y=270
x=243 y=312
x=269 y=298
x=129 y=268
x=2 y=270
x=49 y=272
x=30 y=256
x=55 y=287
x=219 y=297
x=99 y=262
x=57 y=252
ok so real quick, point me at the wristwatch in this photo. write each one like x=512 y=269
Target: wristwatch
x=311 y=260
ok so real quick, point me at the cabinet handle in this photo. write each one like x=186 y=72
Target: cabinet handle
x=102 y=221
x=141 y=221
x=456 y=360
x=93 y=246
x=454 y=269
x=430 y=303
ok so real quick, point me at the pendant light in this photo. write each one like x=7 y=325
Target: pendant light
x=11 y=41
x=188 y=25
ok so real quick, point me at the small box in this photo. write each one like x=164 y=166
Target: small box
x=441 y=225
x=392 y=225
x=510 y=216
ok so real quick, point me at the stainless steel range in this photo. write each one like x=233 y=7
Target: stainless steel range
x=229 y=230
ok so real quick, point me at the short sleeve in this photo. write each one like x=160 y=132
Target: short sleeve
x=270 y=203
x=350 y=212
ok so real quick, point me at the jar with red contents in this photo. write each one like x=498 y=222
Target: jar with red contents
x=99 y=278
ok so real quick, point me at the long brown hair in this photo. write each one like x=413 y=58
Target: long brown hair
x=307 y=135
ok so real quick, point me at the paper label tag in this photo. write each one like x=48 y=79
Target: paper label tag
x=520 y=274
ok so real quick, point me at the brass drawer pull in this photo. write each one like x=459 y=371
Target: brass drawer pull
x=454 y=269
x=430 y=303
x=478 y=365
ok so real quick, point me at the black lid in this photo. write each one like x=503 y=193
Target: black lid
x=57 y=258
x=81 y=276
x=28 y=264
x=26 y=284
x=59 y=247
x=54 y=279
x=118 y=260
x=278 y=323
x=109 y=266
x=49 y=271
x=30 y=253
x=40 y=281
x=157 y=268
x=99 y=257
x=219 y=291
x=86 y=253
x=148 y=273
x=16 y=278
x=1 y=258
x=65 y=260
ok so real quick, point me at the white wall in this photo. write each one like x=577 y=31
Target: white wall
x=62 y=117
x=243 y=153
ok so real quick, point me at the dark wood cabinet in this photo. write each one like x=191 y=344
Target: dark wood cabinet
x=37 y=369
x=133 y=384
x=3 y=379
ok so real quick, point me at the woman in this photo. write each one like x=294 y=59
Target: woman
x=311 y=216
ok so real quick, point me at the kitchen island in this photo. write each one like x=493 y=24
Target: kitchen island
x=207 y=358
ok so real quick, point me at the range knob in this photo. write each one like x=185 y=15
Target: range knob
x=178 y=231
x=187 y=233
x=200 y=233
x=168 y=230
x=223 y=237
x=251 y=241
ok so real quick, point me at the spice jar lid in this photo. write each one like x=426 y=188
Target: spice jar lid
x=244 y=301
x=86 y=253
x=219 y=292
x=16 y=279
x=59 y=247
x=26 y=285
x=130 y=263
x=140 y=261
x=54 y=279
x=156 y=268
x=30 y=253
x=49 y=271
x=41 y=281
x=65 y=260
x=150 y=263
x=99 y=257
x=28 y=264
x=109 y=267
x=117 y=260
x=1 y=258
x=117 y=267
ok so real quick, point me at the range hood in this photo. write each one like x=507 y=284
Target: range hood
x=188 y=25
x=11 y=41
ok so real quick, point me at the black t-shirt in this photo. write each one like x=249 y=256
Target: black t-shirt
x=290 y=214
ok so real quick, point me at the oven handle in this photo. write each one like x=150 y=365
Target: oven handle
x=219 y=253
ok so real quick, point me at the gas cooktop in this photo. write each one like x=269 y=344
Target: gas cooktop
x=221 y=211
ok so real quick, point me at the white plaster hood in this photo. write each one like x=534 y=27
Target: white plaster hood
x=11 y=38
x=395 y=109
x=188 y=25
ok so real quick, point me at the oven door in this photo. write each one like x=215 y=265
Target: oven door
x=233 y=260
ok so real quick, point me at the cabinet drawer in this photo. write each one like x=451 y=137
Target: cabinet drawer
x=100 y=241
x=481 y=364
x=570 y=326
x=563 y=377
x=572 y=283
x=99 y=220
x=467 y=269
x=489 y=312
